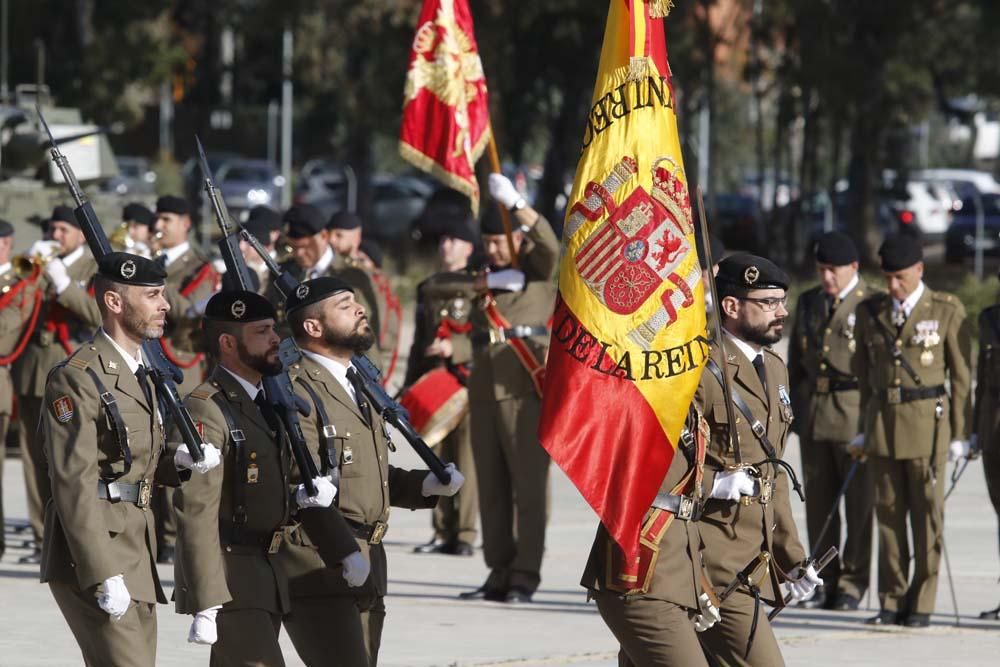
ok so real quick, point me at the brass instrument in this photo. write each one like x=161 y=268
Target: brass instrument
x=24 y=265
x=122 y=241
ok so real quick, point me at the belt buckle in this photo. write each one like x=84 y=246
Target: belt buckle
x=276 y=540
x=894 y=395
x=378 y=532
x=685 y=509
x=758 y=429
x=766 y=491
x=113 y=492
x=497 y=336
x=329 y=431
x=145 y=493
x=822 y=385
x=45 y=338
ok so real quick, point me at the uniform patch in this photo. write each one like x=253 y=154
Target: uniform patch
x=200 y=427
x=63 y=407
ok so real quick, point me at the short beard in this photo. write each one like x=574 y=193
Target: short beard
x=358 y=340
x=133 y=323
x=258 y=362
x=760 y=335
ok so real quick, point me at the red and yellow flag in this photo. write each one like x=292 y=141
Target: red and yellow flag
x=446 y=122
x=628 y=335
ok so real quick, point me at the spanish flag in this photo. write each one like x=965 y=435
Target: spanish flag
x=446 y=120
x=628 y=334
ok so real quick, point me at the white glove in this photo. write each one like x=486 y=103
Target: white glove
x=203 y=630
x=959 y=449
x=42 y=248
x=433 y=487
x=801 y=583
x=509 y=279
x=115 y=599
x=732 y=485
x=58 y=275
x=183 y=460
x=356 y=569
x=503 y=190
x=709 y=615
x=856 y=447
x=325 y=494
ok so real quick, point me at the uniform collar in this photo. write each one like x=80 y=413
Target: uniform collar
x=69 y=259
x=175 y=253
x=251 y=390
x=335 y=368
x=744 y=347
x=911 y=301
x=847 y=290
x=4 y=268
x=133 y=363
x=325 y=260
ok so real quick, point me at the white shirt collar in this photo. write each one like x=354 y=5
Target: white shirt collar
x=4 y=268
x=173 y=254
x=847 y=290
x=743 y=347
x=325 y=260
x=250 y=389
x=69 y=259
x=908 y=304
x=133 y=363
x=336 y=369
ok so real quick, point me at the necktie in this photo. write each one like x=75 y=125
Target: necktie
x=355 y=382
x=141 y=376
x=266 y=410
x=758 y=365
x=898 y=315
x=161 y=261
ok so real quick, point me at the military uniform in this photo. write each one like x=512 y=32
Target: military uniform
x=96 y=448
x=908 y=424
x=987 y=412
x=346 y=437
x=828 y=404
x=443 y=311
x=655 y=627
x=65 y=321
x=234 y=521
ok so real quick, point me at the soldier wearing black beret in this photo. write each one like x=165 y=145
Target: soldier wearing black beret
x=140 y=224
x=913 y=365
x=827 y=403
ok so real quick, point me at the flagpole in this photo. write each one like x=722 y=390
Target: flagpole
x=504 y=213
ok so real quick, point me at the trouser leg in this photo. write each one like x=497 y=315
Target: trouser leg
x=926 y=501
x=891 y=506
x=856 y=559
x=4 y=426
x=33 y=463
x=323 y=627
x=372 y=622
x=467 y=500
x=991 y=468
x=652 y=633
x=247 y=638
x=726 y=641
x=496 y=502
x=166 y=519
x=822 y=482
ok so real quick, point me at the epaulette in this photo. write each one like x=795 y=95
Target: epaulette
x=205 y=391
x=945 y=297
x=774 y=354
x=82 y=357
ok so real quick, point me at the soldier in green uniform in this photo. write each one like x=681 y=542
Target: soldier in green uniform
x=234 y=521
x=261 y=223
x=914 y=350
x=748 y=512
x=827 y=404
x=190 y=280
x=510 y=339
x=68 y=316
x=103 y=436
x=351 y=442
x=656 y=619
x=986 y=426
x=441 y=340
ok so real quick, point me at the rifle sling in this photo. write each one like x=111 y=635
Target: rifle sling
x=890 y=341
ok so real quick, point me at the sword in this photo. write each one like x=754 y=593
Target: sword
x=747 y=575
x=836 y=504
x=818 y=565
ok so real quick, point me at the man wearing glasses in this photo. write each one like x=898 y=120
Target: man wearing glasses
x=748 y=515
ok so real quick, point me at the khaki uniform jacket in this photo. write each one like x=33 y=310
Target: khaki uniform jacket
x=210 y=569
x=678 y=570
x=497 y=373
x=369 y=485
x=823 y=346
x=905 y=431
x=83 y=318
x=734 y=534
x=88 y=540
x=441 y=296
x=987 y=425
x=12 y=323
x=182 y=328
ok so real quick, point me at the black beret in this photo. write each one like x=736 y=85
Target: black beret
x=63 y=213
x=239 y=306
x=303 y=220
x=373 y=250
x=265 y=215
x=901 y=252
x=172 y=204
x=317 y=289
x=492 y=223
x=717 y=247
x=129 y=269
x=744 y=271
x=344 y=220
x=136 y=212
x=835 y=248
x=6 y=229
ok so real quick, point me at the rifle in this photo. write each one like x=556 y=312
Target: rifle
x=164 y=374
x=364 y=372
x=278 y=388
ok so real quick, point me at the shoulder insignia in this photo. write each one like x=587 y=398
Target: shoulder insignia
x=82 y=357
x=203 y=392
x=62 y=407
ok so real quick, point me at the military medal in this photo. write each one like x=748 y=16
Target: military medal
x=852 y=345
x=348 y=456
x=253 y=474
x=926 y=358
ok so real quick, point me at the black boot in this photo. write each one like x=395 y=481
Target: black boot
x=990 y=614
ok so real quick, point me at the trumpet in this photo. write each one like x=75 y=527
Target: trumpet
x=122 y=241
x=40 y=254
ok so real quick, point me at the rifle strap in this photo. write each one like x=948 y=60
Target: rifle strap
x=114 y=421
x=236 y=440
x=759 y=430
x=329 y=458
x=890 y=342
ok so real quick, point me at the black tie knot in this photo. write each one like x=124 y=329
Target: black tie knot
x=758 y=365
x=142 y=377
x=266 y=410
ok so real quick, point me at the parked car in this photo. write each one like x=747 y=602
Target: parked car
x=932 y=211
x=248 y=183
x=135 y=177
x=398 y=200
x=960 y=240
x=965 y=182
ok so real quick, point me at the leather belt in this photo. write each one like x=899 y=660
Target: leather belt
x=496 y=336
x=897 y=395
x=684 y=508
x=268 y=540
x=115 y=492
x=828 y=385
x=370 y=533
